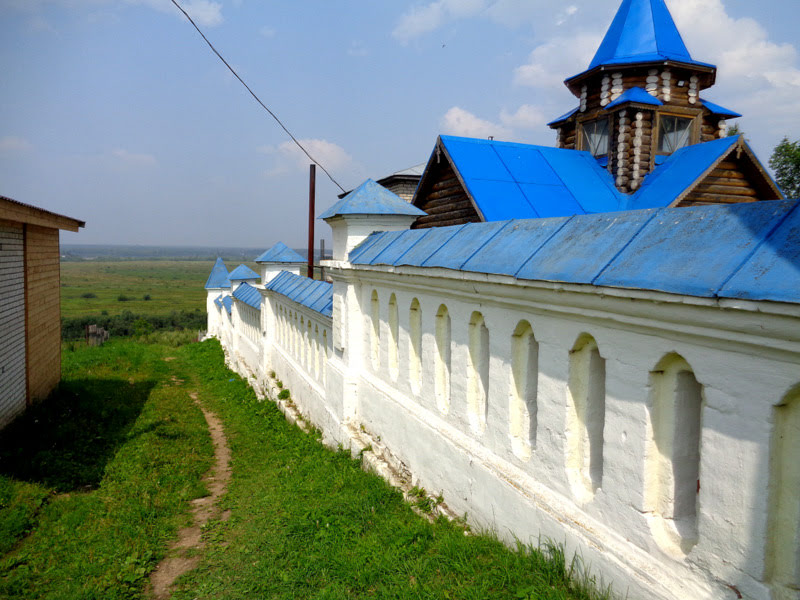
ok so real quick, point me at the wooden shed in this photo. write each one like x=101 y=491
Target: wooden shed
x=30 y=310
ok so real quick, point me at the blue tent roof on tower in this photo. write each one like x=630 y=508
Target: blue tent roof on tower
x=371 y=198
x=243 y=273
x=642 y=31
x=280 y=253
x=219 y=276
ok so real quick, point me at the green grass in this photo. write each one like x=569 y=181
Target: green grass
x=95 y=483
x=90 y=287
x=309 y=523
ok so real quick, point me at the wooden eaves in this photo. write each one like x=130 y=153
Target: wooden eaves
x=13 y=210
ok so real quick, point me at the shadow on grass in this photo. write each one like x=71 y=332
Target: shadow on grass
x=66 y=441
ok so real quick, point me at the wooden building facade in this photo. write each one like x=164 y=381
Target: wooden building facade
x=639 y=113
x=30 y=311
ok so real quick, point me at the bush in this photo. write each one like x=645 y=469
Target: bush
x=283 y=394
x=127 y=323
x=88 y=295
x=123 y=298
x=146 y=297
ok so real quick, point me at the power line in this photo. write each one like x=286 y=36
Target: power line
x=257 y=99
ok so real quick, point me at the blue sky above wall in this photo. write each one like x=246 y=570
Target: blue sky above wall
x=117 y=113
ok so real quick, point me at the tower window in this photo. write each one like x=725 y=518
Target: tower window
x=595 y=137
x=673 y=133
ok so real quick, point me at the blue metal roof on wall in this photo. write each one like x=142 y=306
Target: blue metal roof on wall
x=635 y=94
x=243 y=273
x=219 y=276
x=218 y=301
x=249 y=295
x=749 y=250
x=280 y=253
x=227 y=302
x=371 y=198
x=509 y=180
x=642 y=31
x=316 y=295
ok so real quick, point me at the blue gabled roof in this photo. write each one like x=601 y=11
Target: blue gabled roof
x=313 y=294
x=243 y=273
x=219 y=276
x=749 y=250
x=280 y=253
x=678 y=172
x=371 y=198
x=249 y=295
x=509 y=180
x=635 y=94
x=642 y=31
x=227 y=302
x=721 y=111
x=218 y=301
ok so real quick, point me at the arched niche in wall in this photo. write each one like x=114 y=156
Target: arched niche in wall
x=415 y=346
x=783 y=538
x=394 y=338
x=522 y=406
x=672 y=455
x=375 y=330
x=478 y=381
x=442 y=359
x=586 y=413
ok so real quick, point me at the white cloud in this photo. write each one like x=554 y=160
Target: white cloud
x=458 y=121
x=288 y=157
x=11 y=146
x=357 y=49
x=267 y=32
x=526 y=116
x=131 y=159
x=426 y=18
x=555 y=60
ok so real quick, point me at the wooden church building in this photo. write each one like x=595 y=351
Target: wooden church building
x=642 y=136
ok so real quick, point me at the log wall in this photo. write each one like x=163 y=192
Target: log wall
x=445 y=201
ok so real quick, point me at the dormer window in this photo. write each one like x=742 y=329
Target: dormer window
x=595 y=138
x=674 y=133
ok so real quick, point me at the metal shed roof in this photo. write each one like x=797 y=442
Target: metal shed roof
x=747 y=250
x=227 y=302
x=316 y=295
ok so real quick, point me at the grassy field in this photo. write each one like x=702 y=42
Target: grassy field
x=90 y=287
x=95 y=483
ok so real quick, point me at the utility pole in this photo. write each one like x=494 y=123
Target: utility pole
x=312 y=186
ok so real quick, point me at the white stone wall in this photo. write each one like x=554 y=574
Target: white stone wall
x=645 y=431
x=12 y=324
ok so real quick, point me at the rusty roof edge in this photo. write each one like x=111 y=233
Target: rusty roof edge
x=77 y=222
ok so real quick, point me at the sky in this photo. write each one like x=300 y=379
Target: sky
x=115 y=112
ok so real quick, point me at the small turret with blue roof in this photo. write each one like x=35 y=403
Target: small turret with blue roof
x=218 y=279
x=279 y=258
x=368 y=208
x=242 y=274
